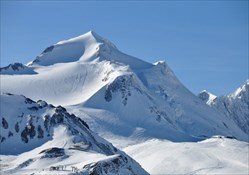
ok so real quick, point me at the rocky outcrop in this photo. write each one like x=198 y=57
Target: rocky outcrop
x=112 y=165
x=5 y=124
x=16 y=68
x=122 y=84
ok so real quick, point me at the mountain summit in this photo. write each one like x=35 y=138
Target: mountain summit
x=86 y=48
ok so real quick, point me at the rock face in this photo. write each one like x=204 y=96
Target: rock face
x=122 y=84
x=235 y=106
x=50 y=135
x=16 y=68
x=207 y=97
x=4 y=123
x=110 y=166
x=53 y=152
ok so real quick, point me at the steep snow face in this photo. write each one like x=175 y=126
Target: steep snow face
x=63 y=84
x=217 y=155
x=35 y=131
x=235 y=106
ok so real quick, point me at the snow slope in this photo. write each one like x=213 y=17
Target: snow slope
x=234 y=106
x=141 y=101
x=44 y=137
x=217 y=155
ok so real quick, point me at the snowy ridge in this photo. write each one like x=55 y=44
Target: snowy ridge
x=235 y=106
x=35 y=131
x=86 y=48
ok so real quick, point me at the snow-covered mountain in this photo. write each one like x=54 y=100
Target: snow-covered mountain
x=235 y=105
x=42 y=137
x=90 y=72
x=127 y=101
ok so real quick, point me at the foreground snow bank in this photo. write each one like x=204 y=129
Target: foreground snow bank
x=217 y=155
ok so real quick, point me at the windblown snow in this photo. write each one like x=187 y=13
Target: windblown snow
x=140 y=107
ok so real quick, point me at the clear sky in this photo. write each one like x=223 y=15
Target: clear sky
x=205 y=43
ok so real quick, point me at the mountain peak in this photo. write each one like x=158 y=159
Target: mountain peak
x=87 y=48
x=206 y=96
x=94 y=34
x=243 y=90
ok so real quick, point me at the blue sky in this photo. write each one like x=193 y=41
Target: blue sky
x=205 y=43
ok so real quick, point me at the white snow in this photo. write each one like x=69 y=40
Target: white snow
x=140 y=107
x=212 y=156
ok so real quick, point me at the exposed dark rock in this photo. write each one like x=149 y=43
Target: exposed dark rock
x=76 y=119
x=51 y=106
x=2 y=139
x=46 y=122
x=10 y=134
x=48 y=49
x=28 y=131
x=24 y=135
x=231 y=137
x=108 y=95
x=33 y=108
x=31 y=131
x=25 y=163
x=29 y=101
x=121 y=84
x=5 y=124
x=56 y=119
x=17 y=127
x=60 y=109
x=15 y=66
x=53 y=152
x=40 y=132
